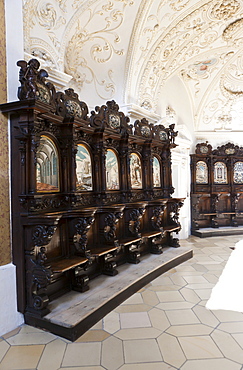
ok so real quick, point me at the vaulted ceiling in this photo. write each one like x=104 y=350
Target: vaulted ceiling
x=151 y=54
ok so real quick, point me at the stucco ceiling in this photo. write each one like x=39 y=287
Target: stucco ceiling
x=186 y=54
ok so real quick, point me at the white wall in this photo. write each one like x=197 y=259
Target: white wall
x=10 y=317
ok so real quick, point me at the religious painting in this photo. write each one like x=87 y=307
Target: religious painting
x=136 y=171
x=83 y=169
x=220 y=173
x=201 y=173
x=47 y=177
x=238 y=173
x=156 y=173
x=112 y=171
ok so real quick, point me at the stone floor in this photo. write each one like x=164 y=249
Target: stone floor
x=163 y=326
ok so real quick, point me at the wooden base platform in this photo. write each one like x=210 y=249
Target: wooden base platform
x=220 y=231
x=74 y=313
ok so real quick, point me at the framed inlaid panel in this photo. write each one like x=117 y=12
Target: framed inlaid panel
x=83 y=169
x=201 y=173
x=220 y=173
x=156 y=173
x=47 y=166
x=112 y=171
x=238 y=173
x=136 y=171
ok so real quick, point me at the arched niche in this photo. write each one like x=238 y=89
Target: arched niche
x=201 y=173
x=156 y=173
x=84 y=180
x=238 y=173
x=220 y=173
x=136 y=171
x=47 y=166
x=112 y=170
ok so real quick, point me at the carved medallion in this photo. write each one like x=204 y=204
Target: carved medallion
x=114 y=121
x=204 y=149
x=145 y=131
x=163 y=135
x=42 y=93
x=229 y=151
x=73 y=108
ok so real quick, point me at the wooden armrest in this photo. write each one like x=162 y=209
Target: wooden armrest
x=171 y=228
x=100 y=252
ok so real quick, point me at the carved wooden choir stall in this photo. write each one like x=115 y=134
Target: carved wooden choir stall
x=217 y=187
x=89 y=191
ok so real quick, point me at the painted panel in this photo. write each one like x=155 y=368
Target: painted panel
x=201 y=173
x=136 y=171
x=112 y=171
x=220 y=173
x=84 y=180
x=238 y=173
x=47 y=175
x=156 y=173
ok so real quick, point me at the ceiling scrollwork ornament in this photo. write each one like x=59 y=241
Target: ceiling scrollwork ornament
x=178 y=5
x=98 y=39
x=233 y=32
x=225 y=9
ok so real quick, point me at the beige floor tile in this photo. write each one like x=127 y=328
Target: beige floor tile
x=231 y=327
x=182 y=317
x=150 y=366
x=189 y=330
x=134 y=299
x=175 y=305
x=159 y=319
x=205 y=316
x=200 y=286
x=228 y=346
x=189 y=295
x=239 y=338
x=171 y=350
x=11 y=333
x=150 y=298
x=178 y=280
x=165 y=288
x=52 y=355
x=145 y=350
x=134 y=320
x=93 y=336
x=203 y=293
x=228 y=316
x=211 y=278
x=22 y=357
x=137 y=333
x=112 y=356
x=170 y=296
x=82 y=354
x=31 y=338
x=199 y=347
x=213 y=364
x=195 y=279
x=84 y=368
x=133 y=308
x=98 y=325
x=4 y=347
x=111 y=322
x=162 y=280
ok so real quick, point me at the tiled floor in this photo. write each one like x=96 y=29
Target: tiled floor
x=163 y=326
